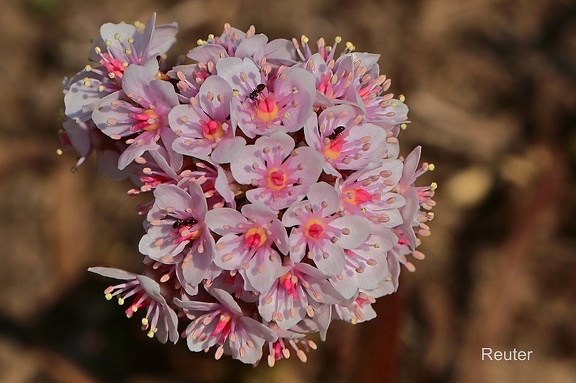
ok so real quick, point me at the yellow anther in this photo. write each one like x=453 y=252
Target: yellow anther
x=139 y=26
x=108 y=43
x=338 y=39
x=433 y=186
x=120 y=301
x=144 y=321
x=101 y=88
x=86 y=82
x=111 y=75
x=59 y=152
x=88 y=68
x=431 y=167
x=150 y=334
x=235 y=92
x=98 y=50
x=125 y=64
x=304 y=39
x=210 y=36
x=201 y=42
x=353 y=320
x=403 y=126
x=117 y=36
x=402 y=98
x=108 y=296
x=394 y=104
x=131 y=40
x=128 y=51
x=350 y=46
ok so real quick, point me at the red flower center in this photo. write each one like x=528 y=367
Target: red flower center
x=113 y=65
x=212 y=130
x=148 y=120
x=314 y=229
x=266 y=110
x=276 y=179
x=255 y=237
x=334 y=148
x=358 y=196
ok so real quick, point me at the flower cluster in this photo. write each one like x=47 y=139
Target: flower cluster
x=279 y=200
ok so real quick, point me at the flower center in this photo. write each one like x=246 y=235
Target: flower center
x=358 y=196
x=212 y=130
x=147 y=120
x=325 y=86
x=334 y=148
x=255 y=237
x=289 y=281
x=314 y=229
x=140 y=300
x=266 y=110
x=223 y=327
x=186 y=229
x=276 y=179
x=186 y=234
x=113 y=65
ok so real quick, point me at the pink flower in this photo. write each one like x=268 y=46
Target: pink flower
x=213 y=179
x=139 y=112
x=280 y=201
x=294 y=295
x=223 y=324
x=321 y=232
x=356 y=310
x=177 y=233
x=248 y=241
x=265 y=105
x=345 y=141
x=233 y=283
x=279 y=173
x=335 y=81
x=416 y=212
x=226 y=45
x=120 y=45
x=235 y=43
x=279 y=349
x=156 y=168
x=203 y=126
x=369 y=193
x=366 y=266
x=327 y=53
x=160 y=319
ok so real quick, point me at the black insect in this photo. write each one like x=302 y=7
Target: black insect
x=338 y=131
x=254 y=94
x=184 y=222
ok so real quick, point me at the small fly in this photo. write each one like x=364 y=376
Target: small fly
x=254 y=94
x=338 y=131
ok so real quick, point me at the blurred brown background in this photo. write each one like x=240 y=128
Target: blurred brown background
x=491 y=88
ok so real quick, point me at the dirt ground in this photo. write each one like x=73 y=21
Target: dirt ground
x=491 y=86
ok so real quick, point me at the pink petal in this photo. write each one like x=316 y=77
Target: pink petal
x=224 y=220
x=354 y=231
x=322 y=193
